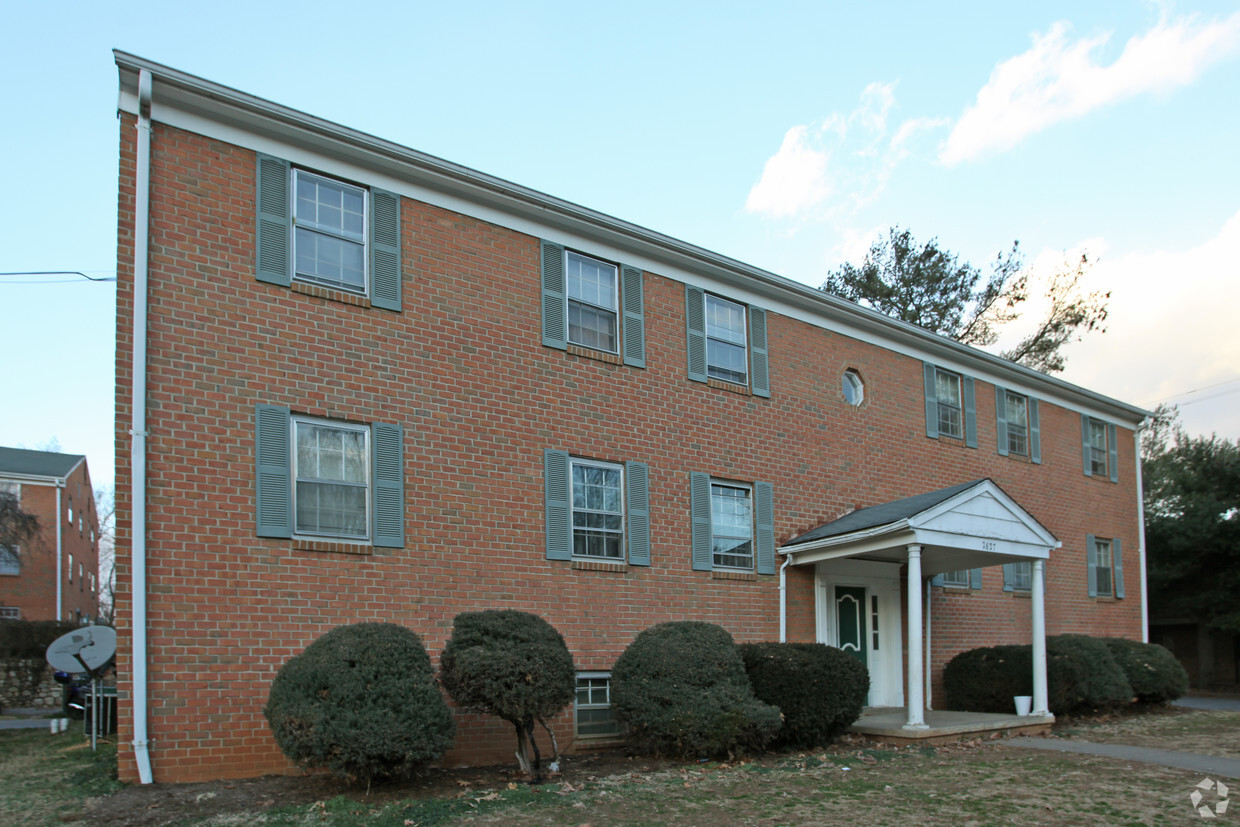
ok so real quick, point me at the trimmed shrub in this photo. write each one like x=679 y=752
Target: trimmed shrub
x=513 y=665
x=1154 y=673
x=1080 y=672
x=30 y=638
x=820 y=690
x=681 y=690
x=360 y=701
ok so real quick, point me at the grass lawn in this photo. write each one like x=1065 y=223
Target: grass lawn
x=977 y=783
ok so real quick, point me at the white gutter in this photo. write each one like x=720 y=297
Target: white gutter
x=138 y=430
x=783 y=598
x=60 y=551
x=1145 y=602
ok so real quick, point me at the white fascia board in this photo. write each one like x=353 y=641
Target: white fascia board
x=217 y=111
x=31 y=479
x=1007 y=548
x=880 y=538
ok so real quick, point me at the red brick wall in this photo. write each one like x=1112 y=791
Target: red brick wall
x=33 y=591
x=463 y=370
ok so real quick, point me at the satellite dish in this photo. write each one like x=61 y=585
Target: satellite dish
x=83 y=650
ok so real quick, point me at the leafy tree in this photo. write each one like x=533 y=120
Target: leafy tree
x=1192 y=526
x=925 y=285
x=513 y=665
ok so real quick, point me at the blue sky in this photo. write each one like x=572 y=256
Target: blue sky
x=785 y=135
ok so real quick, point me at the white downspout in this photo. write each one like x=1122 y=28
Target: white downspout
x=783 y=599
x=137 y=431
x=60 y=551
x=928 y=666
x=1145 y=603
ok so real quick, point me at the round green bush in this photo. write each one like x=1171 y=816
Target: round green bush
x=680 y=689
x=361 y=701
x=820 y=690
x=510 y=664
x=1080 y=671
x=1154 y=673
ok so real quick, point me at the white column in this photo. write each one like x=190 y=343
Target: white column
x=1041 y=695
x=916 y=674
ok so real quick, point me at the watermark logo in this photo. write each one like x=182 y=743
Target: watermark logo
x=1209 y=798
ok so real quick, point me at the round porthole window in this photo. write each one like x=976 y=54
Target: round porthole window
x=854 y=388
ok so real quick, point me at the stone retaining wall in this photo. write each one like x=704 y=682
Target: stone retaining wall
x=16 y=689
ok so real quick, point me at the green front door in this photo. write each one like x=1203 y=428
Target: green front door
x=850 y=621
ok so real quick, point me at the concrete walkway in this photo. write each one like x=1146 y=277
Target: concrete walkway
x=27 y=718
x=1194 y=762
x=1227 y=703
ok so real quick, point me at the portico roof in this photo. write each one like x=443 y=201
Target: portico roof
x=970 y=525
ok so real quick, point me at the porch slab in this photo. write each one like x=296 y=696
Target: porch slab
x=886 y=725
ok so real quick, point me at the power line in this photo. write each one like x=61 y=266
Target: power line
x=54 y=273
x=1199 y=390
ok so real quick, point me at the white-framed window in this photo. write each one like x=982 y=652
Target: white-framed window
x=81 y=577
x=1104 y=568
x=731 y=525
x=1017 y=412
x=1099 y=448
x=947 y=394
x=70 y=567
x=853 y=387
x=10 y=613
x=593 y=289
x=598 y=509
x=727 y=349
x=10 y=559
x=958 y=578
x=329 y=232
x=594 y=717
x=331 y=473
x=1022 y=576
x=69 y=508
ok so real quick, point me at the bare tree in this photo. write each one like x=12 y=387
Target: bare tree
x=19 y=530
x=105 y=507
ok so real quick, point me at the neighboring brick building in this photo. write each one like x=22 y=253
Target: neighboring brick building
x=55 y=576
x=499 y=399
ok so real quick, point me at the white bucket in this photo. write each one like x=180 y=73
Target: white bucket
x=1024 y=703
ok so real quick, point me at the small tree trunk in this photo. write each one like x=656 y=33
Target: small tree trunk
x=522 y=752
x=529 y=728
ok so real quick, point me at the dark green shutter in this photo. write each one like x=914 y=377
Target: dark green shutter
x=970 y=412
x=275 y=222
x=1035 y=432
x=1089 y=470
x=695 y=325
x=1091 y=564
x=638 y=507
x=1009 y=578
x=699 y=513
x=385 y=278
x=1001 y=429
x=975 y=578
x=634 y=316
x=554 y=298
x=758 y=361
x=1113 y=458
x=764 y=509
x=388 y=450
x=559 y=505
x=932 y=402
x=1117 y=560
x=273 y=469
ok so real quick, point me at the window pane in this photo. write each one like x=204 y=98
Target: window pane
x=591 y=327
x=598 y=518
x=726 y=355
x=331 y=494
x=731 y=526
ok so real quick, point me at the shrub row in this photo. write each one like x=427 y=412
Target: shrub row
x=1083 y=673
x=30 y=638
x=362 y=700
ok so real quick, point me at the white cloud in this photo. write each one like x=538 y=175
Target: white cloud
x=1171 y=329
x=837 y=164
x=794 y=179
x=1060 y=79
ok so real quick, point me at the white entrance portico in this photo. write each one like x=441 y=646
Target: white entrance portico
x=858 y=560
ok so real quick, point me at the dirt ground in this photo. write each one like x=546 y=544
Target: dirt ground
x=959 y=782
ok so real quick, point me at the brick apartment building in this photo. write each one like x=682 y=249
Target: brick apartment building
x=369 y=384
x=56 y=575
